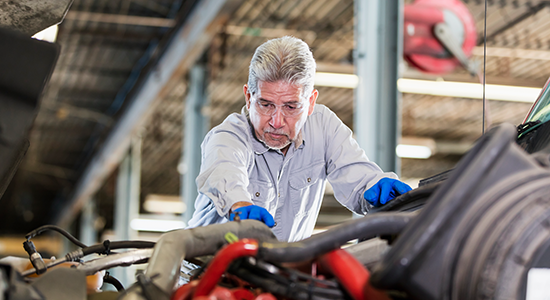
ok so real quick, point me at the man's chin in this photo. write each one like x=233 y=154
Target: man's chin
x=276 y=145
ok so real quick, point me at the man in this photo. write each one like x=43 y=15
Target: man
x=271 y=161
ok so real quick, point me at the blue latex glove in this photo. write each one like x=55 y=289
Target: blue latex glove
x=385 y=190
x=253 y=212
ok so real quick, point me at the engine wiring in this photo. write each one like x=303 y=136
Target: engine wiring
x=65 y=233
x=285 y=282
x=113 y=281
x=76 y=255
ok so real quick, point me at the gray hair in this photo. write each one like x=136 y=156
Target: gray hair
x=286 y=58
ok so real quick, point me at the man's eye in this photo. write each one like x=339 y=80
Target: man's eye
x=265 y=104
x=291 y=107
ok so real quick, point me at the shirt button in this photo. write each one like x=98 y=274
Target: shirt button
x=279 y=194
x=309 y=180
x=257 y=194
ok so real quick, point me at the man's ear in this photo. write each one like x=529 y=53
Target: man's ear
x=246 y=96
x=312 y=100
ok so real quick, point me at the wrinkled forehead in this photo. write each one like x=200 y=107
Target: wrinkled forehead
x=279 y=90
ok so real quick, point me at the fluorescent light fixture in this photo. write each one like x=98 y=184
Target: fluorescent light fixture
x=164 y=204
x=413 y=151
x=348 y=81
x=468 y=90
x=415 y=147
x=156 y=225
x=49 y=34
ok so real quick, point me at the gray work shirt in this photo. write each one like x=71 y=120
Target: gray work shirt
x=238 y=167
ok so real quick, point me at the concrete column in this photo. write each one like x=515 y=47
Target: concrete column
x=127 y=204
x=379 y=39
x=88 y=233
x=196 y=125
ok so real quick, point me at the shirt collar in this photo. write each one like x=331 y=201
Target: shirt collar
x=261 y=148
x=299 y=140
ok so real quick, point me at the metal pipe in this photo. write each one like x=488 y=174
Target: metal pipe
x=114 y=260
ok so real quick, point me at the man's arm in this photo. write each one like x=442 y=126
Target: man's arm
x=224 y=169
x=349 y=170
x=224 y=176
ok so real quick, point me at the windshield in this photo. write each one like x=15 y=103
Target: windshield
x=541 y=109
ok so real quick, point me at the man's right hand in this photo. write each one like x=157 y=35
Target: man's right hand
x=253 y=212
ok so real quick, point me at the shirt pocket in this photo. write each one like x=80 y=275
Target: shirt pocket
x=305 y=185
x=262 y=193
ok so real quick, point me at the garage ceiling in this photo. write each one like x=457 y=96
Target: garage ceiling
x=103 y=59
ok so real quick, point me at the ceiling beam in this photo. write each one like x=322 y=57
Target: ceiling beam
x=308 y=35
x=153 y=6
x=513 y=53
x=123 y=39
x=186 y=46
x=413 y=73
x=52 y=170
x=119 y=19
x=62 y=111
x=464 y=77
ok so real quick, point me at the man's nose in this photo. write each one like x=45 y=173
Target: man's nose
x=277 y=118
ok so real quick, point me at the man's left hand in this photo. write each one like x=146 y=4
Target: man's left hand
x=385 y=190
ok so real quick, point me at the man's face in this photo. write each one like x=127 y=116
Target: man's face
x=278 y=111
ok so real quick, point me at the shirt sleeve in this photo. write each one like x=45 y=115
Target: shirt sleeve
x=224 y=169
x=205 y=213
x=349 y=171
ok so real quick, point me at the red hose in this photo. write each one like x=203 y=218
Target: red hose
x=185 y=291
x=351 y=273
x=244 y=247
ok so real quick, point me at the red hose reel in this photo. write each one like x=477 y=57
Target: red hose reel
x=439 y=35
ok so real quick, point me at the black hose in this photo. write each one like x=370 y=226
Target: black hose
x=113 y=281
x=107 y=246
x=41 y=229
x=383 y=223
